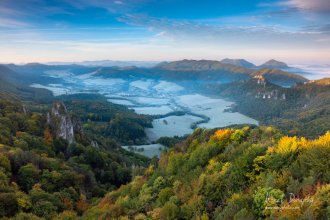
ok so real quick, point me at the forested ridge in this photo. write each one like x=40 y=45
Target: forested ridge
x=247 y=173
x=42 y=175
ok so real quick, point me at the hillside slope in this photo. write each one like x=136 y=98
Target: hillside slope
x=229 y=174
x=60 y=158
x=279 y=77
x=14 y=83
x=300 y=110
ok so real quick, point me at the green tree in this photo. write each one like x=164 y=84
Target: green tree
x=44 y=209
x=28 y=175
x=169 y=212
x=8 y=205
x=266 y=198
x=164 y=195
x=26 y=216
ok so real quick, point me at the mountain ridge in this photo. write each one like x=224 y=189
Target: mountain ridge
x=239 y=62
x=276 y=76
x=274 y=64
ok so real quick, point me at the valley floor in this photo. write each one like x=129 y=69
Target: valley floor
x=177 y=111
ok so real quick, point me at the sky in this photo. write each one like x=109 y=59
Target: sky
x=294 y=31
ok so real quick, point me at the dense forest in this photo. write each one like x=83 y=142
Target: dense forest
x=42 y=174
x=247 y=173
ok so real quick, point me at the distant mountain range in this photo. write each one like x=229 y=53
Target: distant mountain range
x=199 y=65
x=108 y=63
x=274 y=64
x=148 y=64
x=224 y=71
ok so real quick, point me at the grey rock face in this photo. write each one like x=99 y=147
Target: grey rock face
x=60 y=122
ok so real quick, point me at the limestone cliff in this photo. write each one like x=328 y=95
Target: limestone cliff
x=265 y=92
x=62 y=124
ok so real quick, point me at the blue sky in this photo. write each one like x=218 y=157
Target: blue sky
x=295 y=31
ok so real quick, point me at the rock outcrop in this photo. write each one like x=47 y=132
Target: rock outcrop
x=265 y=92
x=274 y=94
x=62 y=124
x=261 y=80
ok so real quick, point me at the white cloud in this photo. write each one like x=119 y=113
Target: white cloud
x=119 y=2
x=12 y=23
x=160 y=34
x=112 y=6
x=256 y=35
x=312 y=5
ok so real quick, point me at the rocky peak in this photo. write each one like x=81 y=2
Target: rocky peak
x=59 y=109
x=61 y=123
x=267 y=91
x=261 y=80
